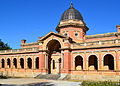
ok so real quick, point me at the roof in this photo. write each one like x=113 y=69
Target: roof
x=71 y=13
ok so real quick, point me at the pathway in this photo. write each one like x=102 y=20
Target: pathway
x=36 y=82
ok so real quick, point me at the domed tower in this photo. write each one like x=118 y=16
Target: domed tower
x=72 y=25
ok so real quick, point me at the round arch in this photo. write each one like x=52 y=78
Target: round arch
x=29 y=63
x=37 y=62
x=93 y=55
x=59 y=40
x=108 y=61
x=8 y=63
x=15 y=63
x=53 y=47
x=93 y=62
x=107 y=54
x=22 y=63
x=78 y=63
x=3 y=63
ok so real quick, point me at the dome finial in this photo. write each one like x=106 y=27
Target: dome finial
x=71 y=4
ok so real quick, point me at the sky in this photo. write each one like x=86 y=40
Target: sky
x=30 y=19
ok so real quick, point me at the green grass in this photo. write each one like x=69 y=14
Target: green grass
x=100 y=83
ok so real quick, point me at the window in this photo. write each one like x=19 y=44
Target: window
x=66 y=34
x=76 y=34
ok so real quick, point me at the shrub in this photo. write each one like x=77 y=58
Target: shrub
x=105 y=83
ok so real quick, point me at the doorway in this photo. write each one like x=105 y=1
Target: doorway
x=53 y=48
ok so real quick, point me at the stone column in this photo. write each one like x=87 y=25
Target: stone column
x=62 y=59
x=84 y=61
x=18 y=63
x=34 y=65
x=25 y=63
x=12 y=63
x=67 y=61
x=5 y=63
x=72 y=62
x=42 y=62
x=117 y=61
x=100 y=67
x=67 y=56
x=33 y=62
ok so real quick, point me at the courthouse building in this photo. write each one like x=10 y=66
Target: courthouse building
x=69 y=52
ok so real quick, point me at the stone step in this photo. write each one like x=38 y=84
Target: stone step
x=48 y=76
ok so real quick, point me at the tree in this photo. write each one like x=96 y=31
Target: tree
x=4 y=46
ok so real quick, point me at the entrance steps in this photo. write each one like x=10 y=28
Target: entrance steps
x=48 y=76
x=63 y=77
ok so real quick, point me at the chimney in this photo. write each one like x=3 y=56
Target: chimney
x=118 y=28
x=23 y=41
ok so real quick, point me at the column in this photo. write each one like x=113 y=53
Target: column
x=100 y=66
x=18 y=63
x=25 y=63
x=67 y=61
x=33 y=62
x=117 y=61
x=5 y=63
x=85 y=64
x=42 y=62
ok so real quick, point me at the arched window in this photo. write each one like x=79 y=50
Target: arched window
x=15 y=62
x=3 y=63
x=78 y=63
x=37 y=63
x=8 y=63
x=109 y=61
x=22 y=63
x=29 y=63
x=93 y=62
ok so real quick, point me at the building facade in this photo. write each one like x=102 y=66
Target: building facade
x=69 y=52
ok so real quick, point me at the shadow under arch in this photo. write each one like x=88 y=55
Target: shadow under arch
x=93 y=62
x=78 y=62
x=109 y=61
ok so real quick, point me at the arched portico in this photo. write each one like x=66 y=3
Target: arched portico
x=53 y=47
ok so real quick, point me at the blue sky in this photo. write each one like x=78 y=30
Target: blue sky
x=30 y=19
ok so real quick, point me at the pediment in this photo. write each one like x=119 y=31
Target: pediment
x=53 y=34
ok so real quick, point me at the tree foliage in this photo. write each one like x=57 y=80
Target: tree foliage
x=4 y=46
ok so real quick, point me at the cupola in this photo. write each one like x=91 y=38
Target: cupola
x=72 y=24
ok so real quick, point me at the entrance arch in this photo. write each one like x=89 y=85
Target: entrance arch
x=53 y=47
x=109 y=61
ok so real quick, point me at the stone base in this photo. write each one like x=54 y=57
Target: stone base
x=19 y=74
x=95 y=77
